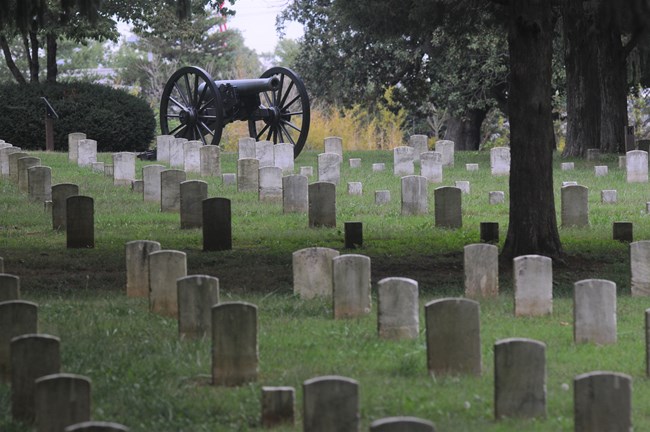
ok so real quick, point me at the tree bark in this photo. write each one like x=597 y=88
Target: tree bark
x=52 y=68
x=30 y=41
x=465 y=131
x=532 y=226
x=612 y=68
x=582 y=81
x=9 y=60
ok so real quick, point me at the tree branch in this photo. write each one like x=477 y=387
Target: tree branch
x=18 y=76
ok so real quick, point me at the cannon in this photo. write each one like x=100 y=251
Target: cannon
x=196 y=107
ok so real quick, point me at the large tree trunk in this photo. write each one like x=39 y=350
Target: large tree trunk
x=30 y=41
x=52 y=68
x=612 y=68
x=9 y=60
x=582 y=82
x=532 y=227
x=465 y=131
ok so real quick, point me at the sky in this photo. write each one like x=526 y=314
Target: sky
x=256 y=21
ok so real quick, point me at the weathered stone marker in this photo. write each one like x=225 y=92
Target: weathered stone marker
x=602 y=402
x=594 y=311
x=163 y=147
x=123 y=168
x=217 y=224
x=80 y=222
x=453 y=336
x=270 y=189
x=330 y=403
x=640 y=267
x=351 y=286
x=39 y=183
x=192 y=156
x=448 y=207
x=636 y=166
x=481 y=266
x=165 y=267
x=151 y=182
x=61 y=400
x=398 y=308
x=277 y=406
x=329 y=167
x=322 y=205
x=60 y=193
x=9 y=287
x=32 y=356
x=234 y=344
x=193 y=192
x=73 y=145
x=312 y=272
x=264 y=153
x=431 y=166
x=333 y=144
x=415 y=197
x=295 y=195
x=623 y=231
x=196 y=296
x=170 y=189
x=519 y=378
x=283 y=157
x=533 y=278
x=248 y=179
x=210 y=156
x=353 y=235
x=86 y=152
x=23 y=164
x=420 y=144
x=137 y=266
x=500 y=161
x=246 y=148
x=17 y=317
x=446 y=149
x=403 y=159
x=575 y=206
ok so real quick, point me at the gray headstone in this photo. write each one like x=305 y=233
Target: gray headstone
x=322 y=205
x=351 y=286
x=86 y=152
x=23 y=164
x=246 y=148
x=608 y=196
x=602 y=402
x=376 y=167
x=12 y=164
x=354 y=163
x=500 y=161
x=123 y=168
x=446 y=149
x=4 y=159
x=177 y=153
x=448 y=207
x=601 y=170
x=330 y=403
x=398 y=308
x=193 y=192
x=61 y=400
x=593 y=154
x=431 y=166
x=97 y=426
x=234 y=344
x=415 y=196
x=496 y=197
x=329 y=168
x=471 y=167
x=17 y=317
x=403 y=161
x=32 y=356
x=481 y=266
x=80 y=222
x=229 y=179
x=533 y=278
x=137 y=186
x=463 y=185
x=277 y=406
x=248 y=175
x=402 y=424
x=355 y=188
x=519 y=378
x=636 y=166
x=567 y=166
x=137 y=266
x=196 y=296
x=73 y=145
x=575 y=206
x=307 y=171
x=270 y=189
x=453 y=336
x=210 y=161
x=97 y=167
x=39 y=183
x=640 y=267
x=170 y=189
x=420 y=144
x=295 y=196
x=60 y=193
x=108 y=170
x=594 y=311
x=264 y=153
x=312 y=272
x=163 y=147
x=165 y=268
x=192 y=156
x=334 y=144
x=382 y=197
x=151 y=187
x=9 y=287
x=569 y=183
x=283 y=157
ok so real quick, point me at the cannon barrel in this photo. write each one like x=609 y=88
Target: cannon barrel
x=249 y=86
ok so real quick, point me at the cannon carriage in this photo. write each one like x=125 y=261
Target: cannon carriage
x=196 y=107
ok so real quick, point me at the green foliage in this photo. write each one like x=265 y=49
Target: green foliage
x=117 y=120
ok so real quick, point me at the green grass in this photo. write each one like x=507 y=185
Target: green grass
x=148 y=379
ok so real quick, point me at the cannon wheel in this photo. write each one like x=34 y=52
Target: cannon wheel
x=289 y=122
x=190 y=106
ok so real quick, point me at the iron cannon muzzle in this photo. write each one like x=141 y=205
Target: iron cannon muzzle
x=250 y=86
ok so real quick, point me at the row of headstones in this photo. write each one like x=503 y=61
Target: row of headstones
x=635 y=164
x=30 y=362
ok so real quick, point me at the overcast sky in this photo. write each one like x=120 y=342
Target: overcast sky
x=256 y=20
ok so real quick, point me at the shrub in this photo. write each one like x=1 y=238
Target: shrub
x=117 y=120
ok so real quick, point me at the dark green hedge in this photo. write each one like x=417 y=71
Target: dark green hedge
x=117 y=120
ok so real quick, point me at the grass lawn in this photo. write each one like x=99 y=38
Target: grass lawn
x=146 y=378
